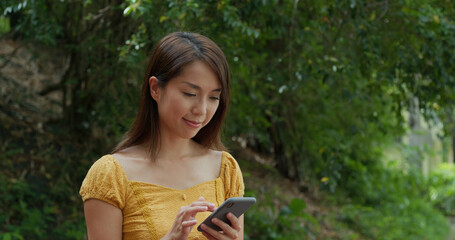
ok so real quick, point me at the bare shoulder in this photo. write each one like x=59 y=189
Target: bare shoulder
x=214 y=158
x=215 y=154
x=133 y=160
x=210 y=155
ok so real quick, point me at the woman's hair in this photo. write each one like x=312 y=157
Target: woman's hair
x=171 y=54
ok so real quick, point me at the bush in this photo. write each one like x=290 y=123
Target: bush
x=265 y=221
x=442 y=188
x=39 y=191
x=33 y=214
x=394 y=205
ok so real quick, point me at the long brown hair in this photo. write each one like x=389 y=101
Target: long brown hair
x=171 y=54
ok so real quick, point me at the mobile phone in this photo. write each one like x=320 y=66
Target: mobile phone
x=235 y=205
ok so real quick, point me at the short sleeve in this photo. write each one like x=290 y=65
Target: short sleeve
x=233 y=179
x=105 y=181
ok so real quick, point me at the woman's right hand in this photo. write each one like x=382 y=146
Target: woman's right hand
x=186 y=219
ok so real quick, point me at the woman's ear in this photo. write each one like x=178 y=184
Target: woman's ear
x=154 y=88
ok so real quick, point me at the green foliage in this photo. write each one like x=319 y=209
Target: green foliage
x=291 y=221
x=387 y=221
x=40 y=21
x=317 y=84
x=4 y=25
x=391 y=201
x=38 y=190
x=442 y=188
x=32 y=214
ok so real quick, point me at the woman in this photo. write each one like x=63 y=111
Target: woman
x=169 y=172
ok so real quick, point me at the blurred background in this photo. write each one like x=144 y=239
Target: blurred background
x=342 y=112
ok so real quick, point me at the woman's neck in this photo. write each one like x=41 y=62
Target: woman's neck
x=177 y=149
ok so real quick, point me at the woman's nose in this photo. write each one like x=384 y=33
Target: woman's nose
x=200 y=107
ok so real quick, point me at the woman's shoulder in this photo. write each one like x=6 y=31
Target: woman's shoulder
x=231 y=175
x=105 y=170
x=105 y=181
x=228 y=160
x=215 y=154
x=132 y=161
x=104 y=165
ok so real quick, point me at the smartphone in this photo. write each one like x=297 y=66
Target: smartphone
x=235 y=205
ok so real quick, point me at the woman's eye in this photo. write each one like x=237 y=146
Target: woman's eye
x=215 y=98
x=189 y=94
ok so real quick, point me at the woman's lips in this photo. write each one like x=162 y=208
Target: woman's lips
x=192 y=123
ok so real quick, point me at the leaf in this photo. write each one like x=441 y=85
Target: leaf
x=6 y=236
x=127 y=11
x=286 y=210
x=181 y=16
x=436 y=19
x=297 y=205
x=373 y=16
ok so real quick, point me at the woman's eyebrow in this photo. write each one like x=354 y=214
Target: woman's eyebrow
x=199 y=88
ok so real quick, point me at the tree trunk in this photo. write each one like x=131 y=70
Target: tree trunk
x=287 y=166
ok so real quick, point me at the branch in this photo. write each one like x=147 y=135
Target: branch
x=9 y=58
x=51 y=88
x=386 y=8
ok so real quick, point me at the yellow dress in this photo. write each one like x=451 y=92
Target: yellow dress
x=149 y=210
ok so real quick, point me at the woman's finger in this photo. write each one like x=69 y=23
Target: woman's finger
x=192 y=211
x=231 y=234
x=189 y=223
x=235 y=223
x=208 y=236
x=211 y=232
x=210 y=206
x=227 y=229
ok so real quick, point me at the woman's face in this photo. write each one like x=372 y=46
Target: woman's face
x=188 y=101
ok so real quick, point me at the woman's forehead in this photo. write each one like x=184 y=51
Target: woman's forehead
x=198 y=75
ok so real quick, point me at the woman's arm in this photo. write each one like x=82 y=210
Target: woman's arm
x=104 y=221
x=242 y=222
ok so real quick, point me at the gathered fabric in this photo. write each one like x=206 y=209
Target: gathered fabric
x=149 y=210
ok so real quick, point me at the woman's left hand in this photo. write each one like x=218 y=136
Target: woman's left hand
x=228 y=232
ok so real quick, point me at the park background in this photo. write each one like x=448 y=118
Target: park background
x=341 y=115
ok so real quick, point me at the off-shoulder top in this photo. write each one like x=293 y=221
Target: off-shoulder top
x=149 y=210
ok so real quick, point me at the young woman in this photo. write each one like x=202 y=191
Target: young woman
x=169 y=172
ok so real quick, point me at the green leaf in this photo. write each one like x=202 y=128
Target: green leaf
x=297 y=205
x=127 y=11
x=6 y=236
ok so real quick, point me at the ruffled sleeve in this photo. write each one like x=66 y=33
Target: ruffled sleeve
x=233 y=179
x=105 y=181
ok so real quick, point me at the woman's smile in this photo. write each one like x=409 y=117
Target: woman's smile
x=193 y=124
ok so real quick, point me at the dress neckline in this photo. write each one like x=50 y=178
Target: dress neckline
x=222 y=168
